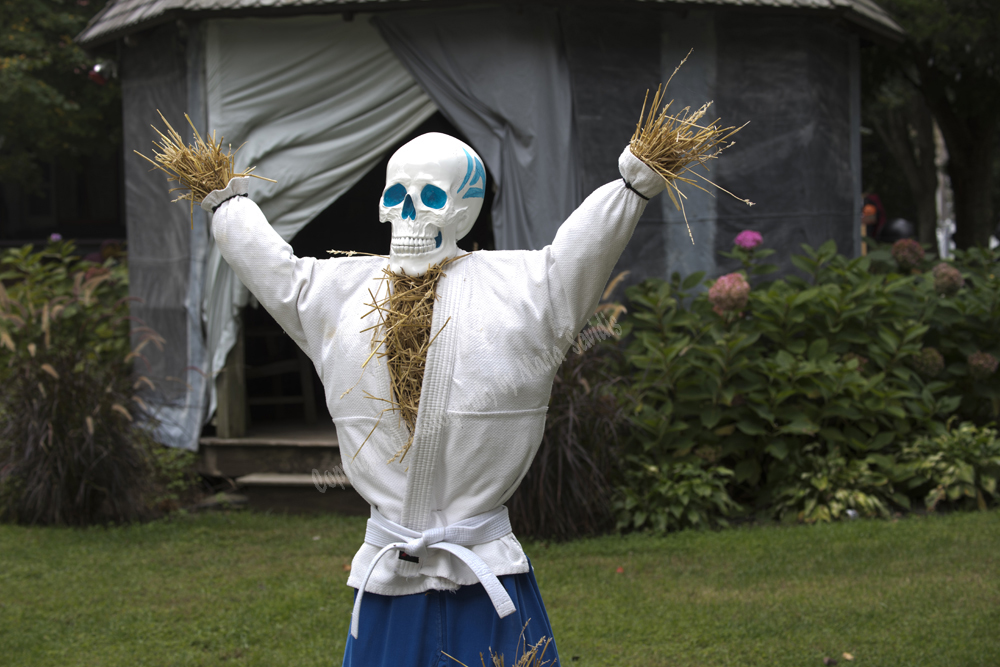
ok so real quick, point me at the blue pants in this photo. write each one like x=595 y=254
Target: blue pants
x=417 y=630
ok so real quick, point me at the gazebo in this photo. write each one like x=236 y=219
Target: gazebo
x=548 y=93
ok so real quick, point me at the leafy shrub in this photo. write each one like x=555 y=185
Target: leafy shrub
x=676 y=495
x=813 y=388
x=959 y=468
x=812 y=372
x=72 y=446
x=963 y=328
x=823 y=486
x=175 y=477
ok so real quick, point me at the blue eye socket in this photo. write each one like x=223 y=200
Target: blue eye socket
x=433 y=197
x=394 y=195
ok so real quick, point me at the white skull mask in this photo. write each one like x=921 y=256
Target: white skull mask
x=434 y=190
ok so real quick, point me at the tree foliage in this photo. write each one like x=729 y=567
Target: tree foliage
x=52 y=108
x=950 y=55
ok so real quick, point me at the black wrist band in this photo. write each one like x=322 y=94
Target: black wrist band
x=216 y=207
x=629 y=186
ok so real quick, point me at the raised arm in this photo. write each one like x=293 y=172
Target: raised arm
x=259 y=256
x=589 y=243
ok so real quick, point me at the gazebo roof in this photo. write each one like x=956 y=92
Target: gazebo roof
x=123 y=17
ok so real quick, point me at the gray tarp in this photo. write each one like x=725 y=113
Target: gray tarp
x=501 y=77
x=796 y=81
x=165 y=255
x=794 y=78
x=317 y=101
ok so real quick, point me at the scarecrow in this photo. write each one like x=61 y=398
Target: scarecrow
x=422 y=359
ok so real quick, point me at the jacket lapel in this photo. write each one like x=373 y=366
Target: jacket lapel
x=434 y=394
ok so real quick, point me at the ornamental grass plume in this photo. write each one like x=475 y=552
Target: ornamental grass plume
x=982 y=365
x=947 y=279
x=928 y=362
x=729 y=293
x=907 y=253
x=748 y=239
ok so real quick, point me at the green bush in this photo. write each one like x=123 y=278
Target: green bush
x=959 y=468
x=965 y=326
x=73 y=447
x=175 y=477
x=677 y=495
x=809 y=387
x=824 y=486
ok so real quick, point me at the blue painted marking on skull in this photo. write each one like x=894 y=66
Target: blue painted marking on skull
x=408 y=210
x=477 y=172
x=468 y=170
x=437 y=240
x=433 y=197
x=394 y=195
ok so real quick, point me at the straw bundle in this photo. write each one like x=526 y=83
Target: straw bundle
x=402 y=336
x=673 y=145
x=199 y=168
x=531 y=656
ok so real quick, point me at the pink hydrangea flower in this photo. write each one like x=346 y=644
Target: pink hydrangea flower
x=729 y=293
x=907 y=253
x=947 y=279
x=748 y=239
x=982 y=365
x=928 y=362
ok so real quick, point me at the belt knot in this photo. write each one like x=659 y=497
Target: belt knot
x=454 y=539
x=418 y=547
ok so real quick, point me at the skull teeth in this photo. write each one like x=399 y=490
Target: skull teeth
x=412 y=245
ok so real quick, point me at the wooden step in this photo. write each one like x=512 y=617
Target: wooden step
x=278 y=448
x=281 y=434
x=328 y=491
x=318 y=482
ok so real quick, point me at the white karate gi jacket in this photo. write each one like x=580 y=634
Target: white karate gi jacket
x=511 y=316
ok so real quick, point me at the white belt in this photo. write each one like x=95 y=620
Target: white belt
x=454 y=539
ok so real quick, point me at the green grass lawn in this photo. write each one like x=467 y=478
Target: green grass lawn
x=246 y=589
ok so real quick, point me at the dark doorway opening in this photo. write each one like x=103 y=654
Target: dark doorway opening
x=350 y=223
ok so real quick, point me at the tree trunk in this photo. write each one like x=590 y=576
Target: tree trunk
x=971 y=141
x=971 y=177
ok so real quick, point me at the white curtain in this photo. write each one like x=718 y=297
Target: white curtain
x=317 y=101
x=500 y=76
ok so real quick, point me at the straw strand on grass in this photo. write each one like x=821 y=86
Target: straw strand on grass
x=673 y=145
x=531 y=655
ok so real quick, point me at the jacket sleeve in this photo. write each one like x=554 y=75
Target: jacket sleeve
x=588 y=245
x=262 y=260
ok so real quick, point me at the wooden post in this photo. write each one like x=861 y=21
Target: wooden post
x=231 y=392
